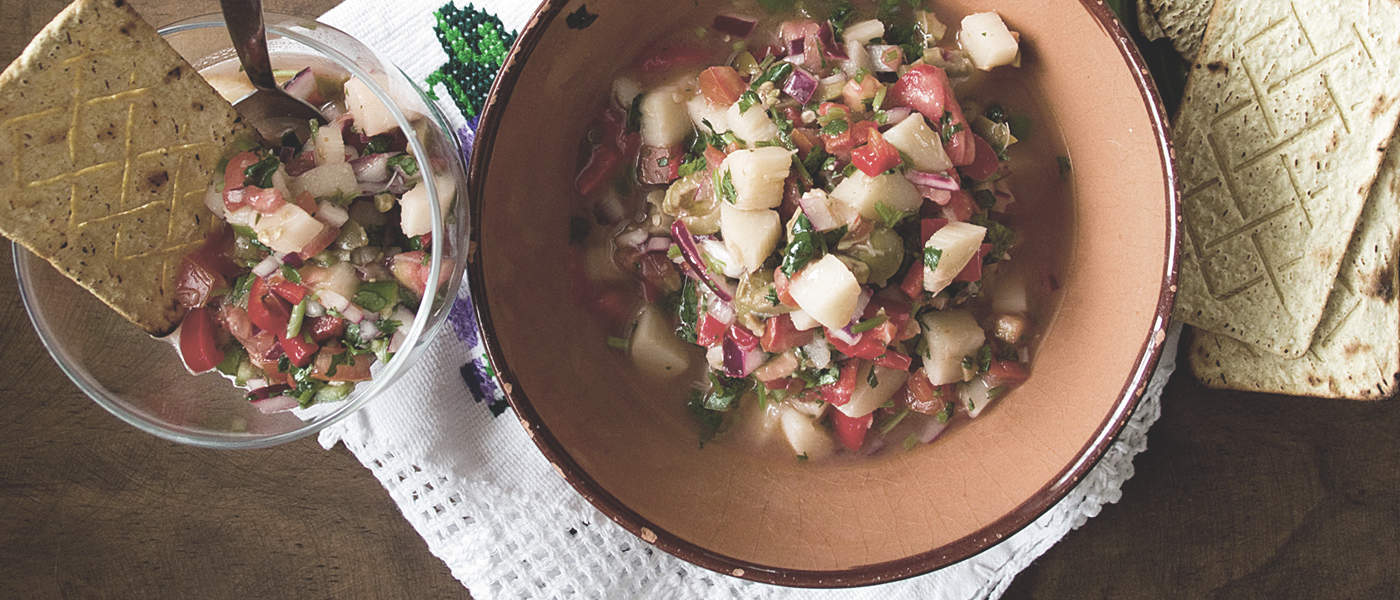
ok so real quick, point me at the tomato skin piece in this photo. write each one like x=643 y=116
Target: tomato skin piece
x=291 y=292
x=300 y=352
x=714 y=156
x=743 y=337
x=850 y=431
x=780 y=285
x=1006 y=373
x=840 y=145
x=839 y=393
x=973 y=270
x=235 y=172
x=263 y=200
x=326 y=328
x=922 y=397
x=779 y=335
x=650 y=169
x=709 y=331
x=985 y=160
x=876 y=156
x=894 y=360
x=871 y=345
x=344 y=371
x=722 y=85
x=926 y=89
x=266 y=310
x=195 y=281
x=197 y=345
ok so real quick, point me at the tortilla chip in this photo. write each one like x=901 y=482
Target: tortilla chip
x=1355 y=351
x=1181 y=21
x=108 y=142
x=1286 y=117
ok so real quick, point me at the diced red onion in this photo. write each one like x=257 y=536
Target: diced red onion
x=353 y=313
x=897 y=115
x=722 y=312
x=796 y=47
x=845 y=337
x=814 y=205
x=301 y=85
x=398 y=183
x=373 y=168
x=937 y=181
x=315 y=309
x=801 y=85
x=931 y=431
x=333 y=300
x=737 y=361
x=632 y=237
x=936 y=196
x=261 y=391
x=828 y=41
x=368 y=330
x=610 y=209
x=681 y=235
x=293 y=260
x=331 y=214
x=818 y=351
x=734 y=25
x=266 y=267
x=878 y=53
x=658 y=244
x=256 y=383
x=275 y=404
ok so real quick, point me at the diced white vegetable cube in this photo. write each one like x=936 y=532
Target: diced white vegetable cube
x=803 y=321
x=987 y=41
x=1009 y=292
x=807 y=439
x=371 y=116
x=864 y=31
x=326 y=181
x=339 y=278
x=757 y=176
x=330 y=146
x=714 y=356
x=949 y=335
x=288 y=229
x=915 y=138
x=826 y=290
x=975 y=395
x=860 y=193
x=246 y=216
x=655 y=348
x=701 y=112
x=625 y=91
x=956 y=244
x=750 y=235
x=664 y=118
x=752 y=125
x=865 y=399
x=859 y=61
x=417 y=213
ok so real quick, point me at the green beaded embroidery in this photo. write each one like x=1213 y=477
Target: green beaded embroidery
x=476 y=44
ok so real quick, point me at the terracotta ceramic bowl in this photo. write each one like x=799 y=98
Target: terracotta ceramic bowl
x=618 y=439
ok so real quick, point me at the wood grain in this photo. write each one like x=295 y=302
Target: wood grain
x=1238 y=495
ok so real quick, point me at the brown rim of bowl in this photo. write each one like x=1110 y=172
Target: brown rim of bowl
x=894 y=570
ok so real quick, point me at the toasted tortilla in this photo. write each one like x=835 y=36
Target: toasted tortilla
x=1287 y=115
x=108 y=142
x=1355 y=352
x=1183 y=22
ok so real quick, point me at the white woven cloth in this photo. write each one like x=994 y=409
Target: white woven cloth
x=508 y=526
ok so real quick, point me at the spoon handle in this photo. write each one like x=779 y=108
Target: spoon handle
x=245 y=28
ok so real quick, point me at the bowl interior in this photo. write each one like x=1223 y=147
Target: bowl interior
x=141 y=379
x=627 y=443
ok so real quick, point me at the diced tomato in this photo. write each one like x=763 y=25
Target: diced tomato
x=913 y=283
x=266 y=310
x=782 y=383
x=326 y=328
x=857 y=92
x=928 y=227
x=234 y=173
x=658 y=165
x=973 y=270
x=850 y=431
x=660 y=59
x=307 y=203
x=709 y=331
x=922 y=397
x=925 y=88
x=839 y=392
x=235 y=321
x=345 y=371
x=714 y=156
x=1006 y=373
x=195 y=281
x=959 y=207
x=876 y=156
x=602 y=165
x=722 y=85
x=796 y=30
x=263 y=200
x=780 y=285
x=984 y=162
x=743 y=337
x=412 y=270
x=300 y=163
x=319 y=243
x=291 y=292
x=842 y=143
x=197 y=345
x=894 y=360
x=897 y=310
x=779 y=334
x=299 y=351
x=805 y=139
x=871 y=343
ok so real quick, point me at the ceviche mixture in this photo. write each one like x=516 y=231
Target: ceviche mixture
x=811 y=198
x=322 y=257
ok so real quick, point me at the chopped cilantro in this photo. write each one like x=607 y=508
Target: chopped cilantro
x=985 y=199
x=805 y=246
x=708 y=420
x=889 y=216
x=835 y=127
x=724 y=392
x=693 y=165
x=932 y=256
x=726 y=187
x=773 y=296
x=375 y=296
x=290 y=274
x=775 y=74
x=747 y=100
x=407 y=163
x=910 y=441
x=260 y=173
x=1001 y=237
x=872 y=380
x=869 y=324
x=241 y=287
x=688 y=311
x=947 y=128
x=378 y=144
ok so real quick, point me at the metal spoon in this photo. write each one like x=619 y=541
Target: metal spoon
x=269 y=108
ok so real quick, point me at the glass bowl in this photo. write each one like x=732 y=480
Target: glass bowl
x=141 y=379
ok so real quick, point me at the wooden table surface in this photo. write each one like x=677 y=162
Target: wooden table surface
x=1237 y=496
